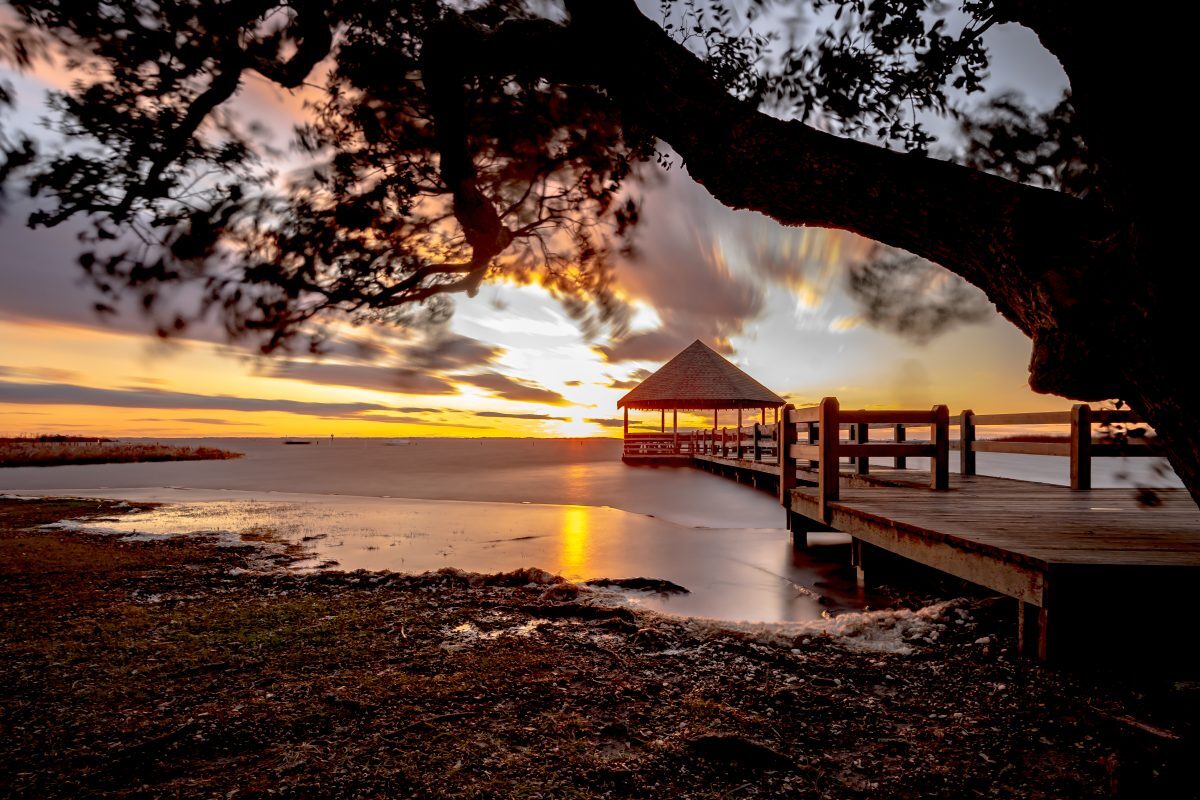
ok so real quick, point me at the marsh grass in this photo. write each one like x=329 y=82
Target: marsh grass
x=38 y=452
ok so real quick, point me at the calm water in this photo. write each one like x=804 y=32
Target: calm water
x=567 y=506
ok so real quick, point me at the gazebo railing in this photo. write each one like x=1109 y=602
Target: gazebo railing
x=756 y=442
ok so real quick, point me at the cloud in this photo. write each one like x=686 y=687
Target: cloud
x=513 y=389
x=410 y=420
x=197 y=420
x=707 y=270
x=38 y=373
x=679 y=270
x=635 y=377
x=606 y=422
x=572 y=383
x=401 y=380
x=388 y=361
x=505 y=415
x=74 y=395
x=444 y=350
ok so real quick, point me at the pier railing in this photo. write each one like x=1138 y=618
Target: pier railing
x=813 y=435
x=797 y=439
x=1079 y=446
x=752 y=442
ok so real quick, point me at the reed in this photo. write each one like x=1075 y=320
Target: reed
x=37 y=452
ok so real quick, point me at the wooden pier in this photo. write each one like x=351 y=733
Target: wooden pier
x=1069 y=555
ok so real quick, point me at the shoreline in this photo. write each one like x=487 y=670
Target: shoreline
x=143 y=668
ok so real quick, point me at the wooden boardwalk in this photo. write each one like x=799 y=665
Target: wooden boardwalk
x=1071 y=557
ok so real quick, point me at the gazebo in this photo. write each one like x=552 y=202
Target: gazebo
x=696 y=379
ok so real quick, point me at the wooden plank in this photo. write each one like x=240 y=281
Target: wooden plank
x=801 y=452
x=886 y=416
x=1109 y=416
x=806 y=414
x=1027 y=448
x=1025 y=418
x=987 y=569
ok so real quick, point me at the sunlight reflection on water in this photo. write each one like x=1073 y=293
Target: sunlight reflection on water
x=736 y=574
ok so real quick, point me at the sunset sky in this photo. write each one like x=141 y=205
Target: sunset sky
x=511 y=362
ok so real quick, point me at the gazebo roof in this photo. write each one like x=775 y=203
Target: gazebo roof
x=699 y=377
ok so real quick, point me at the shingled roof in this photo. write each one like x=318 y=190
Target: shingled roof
x=699 y=377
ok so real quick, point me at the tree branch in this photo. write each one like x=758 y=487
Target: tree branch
x=1022 y=245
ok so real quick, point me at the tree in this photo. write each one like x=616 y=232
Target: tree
x=462 y=140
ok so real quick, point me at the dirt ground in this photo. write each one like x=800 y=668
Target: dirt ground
x=172 y=669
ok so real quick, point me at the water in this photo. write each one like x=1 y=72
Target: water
x=567 y=506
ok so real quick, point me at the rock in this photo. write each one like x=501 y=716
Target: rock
x=659 y=585
x=615 y=730
x=560 y=592
x=733 y=749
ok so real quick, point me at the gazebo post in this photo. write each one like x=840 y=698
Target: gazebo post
x=737 y=448
x=625 y=435
x=662 y=421
x=675 y=429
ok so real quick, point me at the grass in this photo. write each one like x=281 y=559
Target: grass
x=149 y=669
x=49 y=452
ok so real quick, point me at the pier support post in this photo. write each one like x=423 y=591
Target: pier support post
x=785 y=435
x=796 y=524
x=1034 y=632
x=898 y=436
x=1081 y=446
x=757 y=445
x=966 y=442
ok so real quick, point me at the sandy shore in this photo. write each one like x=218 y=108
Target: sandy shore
x=189 y=667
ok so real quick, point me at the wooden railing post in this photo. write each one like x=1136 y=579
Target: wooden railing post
x=863 y=465
x=757 y=446
x=939 y=466
x=724 y=442
x=785 y=435
x=966 y=442
x=812 y=439
x=828 y=473
x=898 y=436
x=1081 y=446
